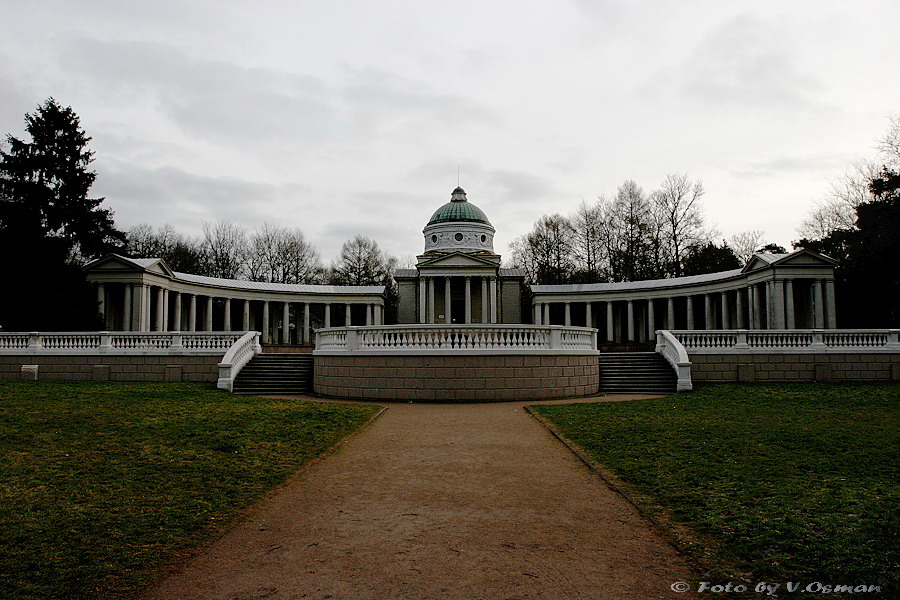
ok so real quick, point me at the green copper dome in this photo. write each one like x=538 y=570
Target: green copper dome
x=458 y=209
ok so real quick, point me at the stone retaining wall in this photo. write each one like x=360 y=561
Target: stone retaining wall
x=795 y=367
x=456 y=378
x=112 y=367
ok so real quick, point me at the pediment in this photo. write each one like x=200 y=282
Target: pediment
x=459 y=260
x=806 y=258
x=799 y=259
x=119 y=264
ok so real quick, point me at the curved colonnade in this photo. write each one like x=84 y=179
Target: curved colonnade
x=774 y=291
x=146 y=295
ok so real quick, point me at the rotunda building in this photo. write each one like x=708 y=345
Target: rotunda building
x=458 y=279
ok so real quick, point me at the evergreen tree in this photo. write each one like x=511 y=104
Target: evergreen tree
x=45 y=185
x=49 y=224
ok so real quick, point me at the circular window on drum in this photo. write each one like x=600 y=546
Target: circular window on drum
x=483 y=239
x=434 y=239
x=458 y=237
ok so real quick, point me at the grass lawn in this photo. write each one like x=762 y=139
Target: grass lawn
x=103 y=484
x=781 y=482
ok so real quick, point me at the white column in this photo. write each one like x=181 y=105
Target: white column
x=227 y=314
x=145 y=307
x=306 y=334
x=127 y=306
x=690 y=312
x=137 y=304
x=245 y=324
x=177 y=320
x=630 y=317
x=791 y=319
x=422 y=314
x=328 y=315
x=493 y=299
x=165 y=310
x=348 y=316
x=726 y=312
x=670 y=313
x=209 y=313
x=818 y=305
x=468 y=300
x=160 y=308
x=753 y=298
x=651 y=320
x=830 y=305
x=286 y=323
x=545 y=308
x=447 y=317
x=708 y=316
x=536 y=311
x=101 y=303
x=431 y=317
x=265 y=323
x=192 y=313
x=368 y=314
x=778 y=304
x=568 y=321
x=771 y=314
x=378 y=320
x=739 y=307
x=610 y=323
x=588 y=317
x=484 y=300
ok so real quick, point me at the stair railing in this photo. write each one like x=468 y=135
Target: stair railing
x=237 y=356
x=671 y=349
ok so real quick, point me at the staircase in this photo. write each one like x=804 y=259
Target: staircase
x=636 y=373
x=276 y=374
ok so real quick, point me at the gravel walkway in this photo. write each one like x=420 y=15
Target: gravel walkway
x=439 y=502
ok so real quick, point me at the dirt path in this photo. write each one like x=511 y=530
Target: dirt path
x=439 y=502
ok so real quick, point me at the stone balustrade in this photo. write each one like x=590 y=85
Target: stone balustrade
x=118 y=342
x=739 y=341
x=451 y=339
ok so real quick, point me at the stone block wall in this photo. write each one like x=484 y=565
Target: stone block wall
x=112 y=367
x=795 y=367
x=456 y=378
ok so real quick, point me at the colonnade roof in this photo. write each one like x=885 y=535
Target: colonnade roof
x=158 y=266
x=798 y=260
x=624 y=286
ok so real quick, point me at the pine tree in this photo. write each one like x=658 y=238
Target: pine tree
x=49 y=225
x=44 y=185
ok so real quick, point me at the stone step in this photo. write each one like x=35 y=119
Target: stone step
x=276 y=374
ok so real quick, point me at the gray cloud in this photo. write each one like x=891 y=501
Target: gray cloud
x=168 y=194
x=788 y=165
x=746 y=62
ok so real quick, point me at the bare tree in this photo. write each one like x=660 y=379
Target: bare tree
x=281 y=255
x=889 y=145
x=546 y=253
x=587 y=241
x=837 y=210
x=181 y=253
x=745 y=243
x=225 y=247
x=676 y=204
x=362 y=262
x=629 y=239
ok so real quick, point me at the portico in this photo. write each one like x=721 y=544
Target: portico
x=458 y=279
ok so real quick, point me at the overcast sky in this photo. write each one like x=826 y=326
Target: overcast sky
x=351 y=117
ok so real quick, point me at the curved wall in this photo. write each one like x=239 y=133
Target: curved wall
x=457 y=378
